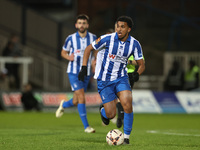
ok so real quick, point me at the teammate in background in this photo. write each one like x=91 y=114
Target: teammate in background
x=73 y=50
x=111 y=74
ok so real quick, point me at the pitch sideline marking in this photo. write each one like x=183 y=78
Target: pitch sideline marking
x=170 y=133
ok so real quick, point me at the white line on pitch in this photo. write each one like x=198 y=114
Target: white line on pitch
x=170 y=133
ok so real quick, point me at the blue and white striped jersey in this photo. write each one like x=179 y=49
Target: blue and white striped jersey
x=74 y=43
x=113 y=56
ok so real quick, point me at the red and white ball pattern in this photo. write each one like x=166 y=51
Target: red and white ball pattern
x=115 y=137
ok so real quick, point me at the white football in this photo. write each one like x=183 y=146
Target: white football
x=115 y=137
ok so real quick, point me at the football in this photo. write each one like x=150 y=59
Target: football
x=115 y=137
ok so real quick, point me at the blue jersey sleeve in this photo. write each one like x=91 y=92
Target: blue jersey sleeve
x=100 y=42
x=67 y=43
x=137 y=50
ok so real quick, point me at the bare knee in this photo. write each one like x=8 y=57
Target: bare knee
x=75 y=102
x=126 y=101
x=128 y=107
x=111 y=114
x=80 y=96
x=110 y=111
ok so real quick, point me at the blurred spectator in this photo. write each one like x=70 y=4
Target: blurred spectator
x=192 y=76
x=12 y=50
x=110 y=30
x=28 y=100
x=3 y=79
x=175 y=78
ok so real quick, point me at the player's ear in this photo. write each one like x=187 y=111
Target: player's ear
x=76 y=26
x=87 y=25
x=129 y=30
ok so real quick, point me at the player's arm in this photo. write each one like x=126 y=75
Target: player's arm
x=86 y=55
x=65 y=54
x=141 y=66
x=132 y=62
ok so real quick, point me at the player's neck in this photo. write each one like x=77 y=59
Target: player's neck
x=123 y=39
x=82 y=34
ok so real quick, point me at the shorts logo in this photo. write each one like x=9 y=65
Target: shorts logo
x=97 y=40
x=75 y=85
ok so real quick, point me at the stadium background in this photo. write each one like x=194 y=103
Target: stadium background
x=167 y=30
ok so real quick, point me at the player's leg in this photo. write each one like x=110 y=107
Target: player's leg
x=126 y=101
x=120 y=116
x=70 y=103
x=131 y=80
x=81 y=106
x=124 y=94
x=114 y=120
x=108 y=97
x=66 y=104
x=107 y=111
x=80 y=93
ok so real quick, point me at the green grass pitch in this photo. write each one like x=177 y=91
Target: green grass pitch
x=42 y=131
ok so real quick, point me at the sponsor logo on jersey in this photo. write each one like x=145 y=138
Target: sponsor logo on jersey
x=97 y=40
x=112 y=56
x=77 y=51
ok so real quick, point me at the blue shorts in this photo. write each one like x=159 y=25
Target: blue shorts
x=108 y=89
x=76 y=84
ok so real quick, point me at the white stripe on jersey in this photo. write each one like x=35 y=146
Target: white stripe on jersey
x=75 y=58
x=110 y=52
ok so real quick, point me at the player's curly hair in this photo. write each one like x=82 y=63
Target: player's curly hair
x=82 y=16
x=126 y=19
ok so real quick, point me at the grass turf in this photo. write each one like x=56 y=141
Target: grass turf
x=39 y=131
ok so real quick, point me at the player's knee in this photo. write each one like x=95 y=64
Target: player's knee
x=111 y=114
x=128 y=108
x=80 y=97
x=75 y=103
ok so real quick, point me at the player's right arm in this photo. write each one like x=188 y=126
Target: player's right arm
x=65 y=54
x=86 y=55
x=83 y=72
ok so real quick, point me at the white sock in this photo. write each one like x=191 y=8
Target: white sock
x=126 y=136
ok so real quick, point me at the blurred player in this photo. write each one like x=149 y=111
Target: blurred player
x=111 y=74
x=73 y=50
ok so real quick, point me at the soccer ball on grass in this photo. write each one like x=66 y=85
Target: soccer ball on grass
x=115 y=137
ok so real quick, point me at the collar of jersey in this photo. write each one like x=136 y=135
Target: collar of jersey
x=77 y=34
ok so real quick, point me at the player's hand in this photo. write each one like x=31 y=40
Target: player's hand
x=135 y=76
x=71 y=57
x=82 y=73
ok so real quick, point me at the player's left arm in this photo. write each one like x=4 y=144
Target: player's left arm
x=141 y=66
x=86 y=55
x=83 y=72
